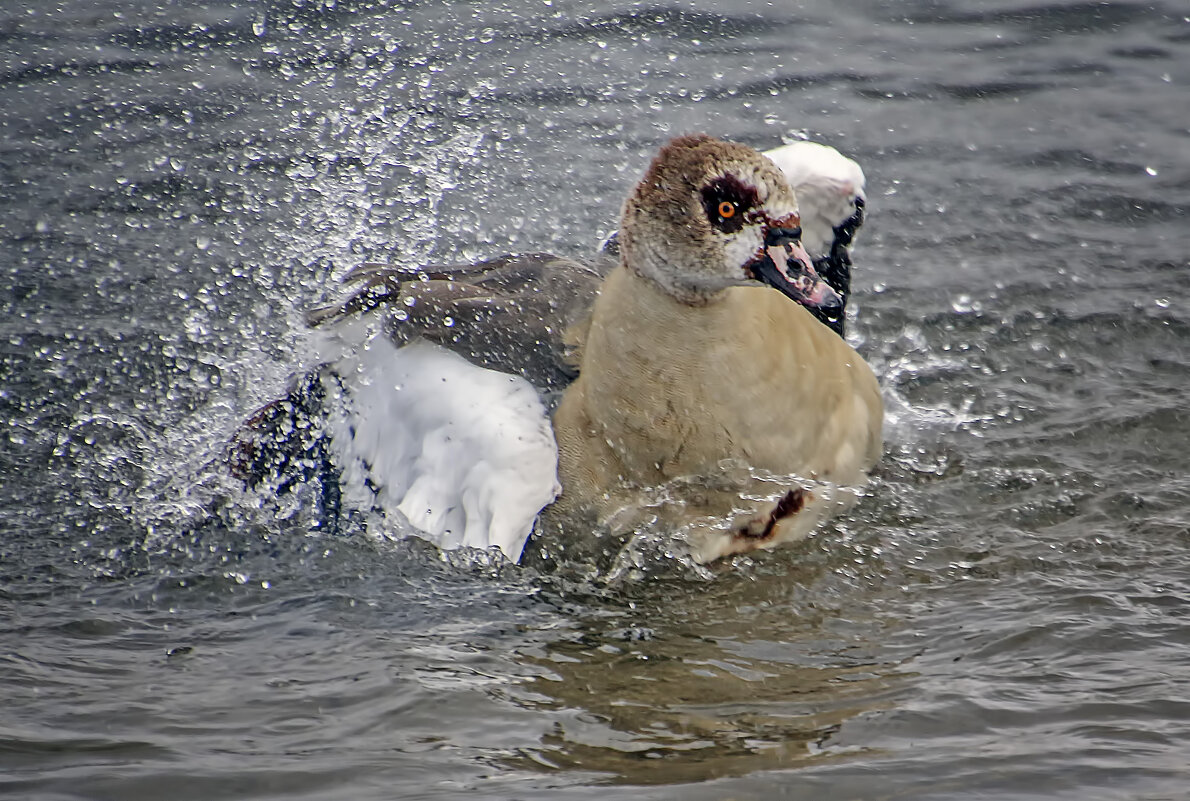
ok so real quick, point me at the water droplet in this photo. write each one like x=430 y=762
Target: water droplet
x=964 y=305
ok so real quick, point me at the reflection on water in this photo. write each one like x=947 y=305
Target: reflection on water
x=671 y=685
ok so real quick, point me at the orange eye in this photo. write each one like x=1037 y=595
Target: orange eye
x=726 y=210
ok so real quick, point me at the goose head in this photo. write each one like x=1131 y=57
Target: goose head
x=710 y=215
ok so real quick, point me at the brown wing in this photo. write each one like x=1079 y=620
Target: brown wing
x=515 y=313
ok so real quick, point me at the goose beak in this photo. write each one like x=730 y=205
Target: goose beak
x=785 y=265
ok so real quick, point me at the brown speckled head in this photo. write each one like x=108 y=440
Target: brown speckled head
x=701 y=214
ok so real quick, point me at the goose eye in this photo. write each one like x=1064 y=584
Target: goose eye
x=726 y=201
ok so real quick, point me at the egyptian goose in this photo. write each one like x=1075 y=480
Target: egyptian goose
x=711 y=344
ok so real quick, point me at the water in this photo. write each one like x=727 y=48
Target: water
x=1004 y=617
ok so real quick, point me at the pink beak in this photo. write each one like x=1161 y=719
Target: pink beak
x=786 y=266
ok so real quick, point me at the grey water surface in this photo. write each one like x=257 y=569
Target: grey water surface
x=1007 y=615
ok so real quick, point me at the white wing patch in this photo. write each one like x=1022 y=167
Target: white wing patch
x=466 y=455
x=825 y=183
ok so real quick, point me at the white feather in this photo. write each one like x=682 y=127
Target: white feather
x=466 y=455
x=826 y=184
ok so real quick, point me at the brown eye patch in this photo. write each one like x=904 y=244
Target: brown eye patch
x=726 y=200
